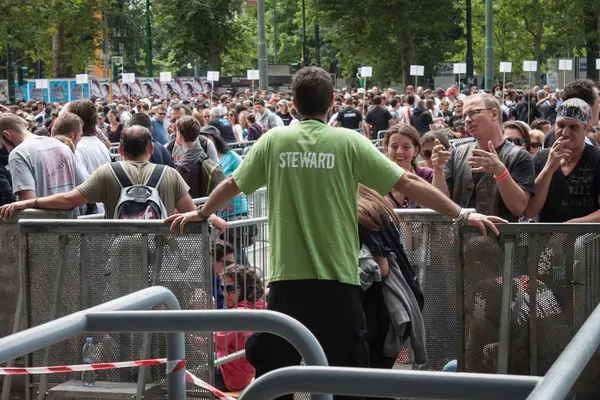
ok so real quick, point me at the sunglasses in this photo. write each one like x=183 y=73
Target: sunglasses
x=517 y=141
x=162 y=113
x=426 y=154
x=535 y=145
x=228 y=288
x=227 y=262
x=232 y=115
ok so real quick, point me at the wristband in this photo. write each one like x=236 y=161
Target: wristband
x=35 y=203
x=502 y=176
x=463 y=217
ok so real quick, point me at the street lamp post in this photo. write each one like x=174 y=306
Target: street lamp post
x=489 y=44
x=263 y=76
x=148 y=40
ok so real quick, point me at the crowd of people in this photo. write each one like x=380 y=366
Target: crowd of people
x=533 y=156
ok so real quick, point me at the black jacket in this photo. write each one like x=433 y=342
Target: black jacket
x=6 y=192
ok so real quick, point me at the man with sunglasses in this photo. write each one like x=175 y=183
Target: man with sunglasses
x=159 y=129
x=223 y=256
x=491 y=175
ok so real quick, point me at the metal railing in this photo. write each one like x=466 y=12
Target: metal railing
x=388 y=383
x=45 y=335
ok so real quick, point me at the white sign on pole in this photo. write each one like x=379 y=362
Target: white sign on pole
x=252 y=74
x=529 y=66
x=81 y=79
x=366 y=72
x=41 y=83
x=417 y=70
x=212 y=76
x=565 y=65
x=460 y=68
x=597 y=63
x=166 y=76
x=129 y=78
x=506 y=67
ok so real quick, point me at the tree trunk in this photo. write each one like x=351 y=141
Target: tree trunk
x=215 y=56
x=407 y=53
x=59 y=64
x=592 y=44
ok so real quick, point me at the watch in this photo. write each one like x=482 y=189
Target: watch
x=199 y=213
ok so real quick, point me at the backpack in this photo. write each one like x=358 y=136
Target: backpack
x=203 y=177
x=139 y=201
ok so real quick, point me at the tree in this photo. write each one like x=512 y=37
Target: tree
x=390 y=37
x=196 y=30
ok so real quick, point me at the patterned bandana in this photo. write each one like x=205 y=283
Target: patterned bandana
x=576 y=109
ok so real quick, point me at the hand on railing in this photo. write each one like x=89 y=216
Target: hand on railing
x=485 y=221
x=182 y=219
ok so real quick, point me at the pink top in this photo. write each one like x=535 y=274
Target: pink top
x=237 y=374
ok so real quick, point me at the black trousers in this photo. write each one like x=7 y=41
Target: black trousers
x=330 y=310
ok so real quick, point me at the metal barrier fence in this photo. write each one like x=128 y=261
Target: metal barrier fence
x=68 y=266
x=430 y=246
x=555 y=267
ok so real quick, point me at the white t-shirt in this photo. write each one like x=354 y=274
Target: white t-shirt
x=91 y=154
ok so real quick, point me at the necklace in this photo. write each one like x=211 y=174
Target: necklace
x=572 y=158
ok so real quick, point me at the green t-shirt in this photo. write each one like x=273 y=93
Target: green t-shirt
x=312 y=172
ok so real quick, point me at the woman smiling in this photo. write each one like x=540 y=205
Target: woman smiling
x=401 y=145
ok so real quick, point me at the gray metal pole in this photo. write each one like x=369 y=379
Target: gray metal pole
x=489 y=44
x=275 y=44
x=563 y=374
x=470 y=61
x=263 y=74
x=365 y=382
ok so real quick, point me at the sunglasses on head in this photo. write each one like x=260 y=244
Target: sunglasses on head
x=535 y=145
x=426 y=154
x=228 y=288
x=517 y=141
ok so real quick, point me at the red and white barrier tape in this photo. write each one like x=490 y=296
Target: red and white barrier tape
x=172 y=366
x=193 y=379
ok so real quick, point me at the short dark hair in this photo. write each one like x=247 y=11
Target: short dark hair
x=312 y=89
x=135 y=141
x=86 y=110
x=188 y=127
x=145 y=106
x=67 y=123
x=377 y=100
x=259 y=103
x=221 y=249
x=582 y=89
x=410 y=99
x=177 y=107
x=41 y=131
x=12 y=122
x=247 y=279
x=251 y=118
x=141 y=120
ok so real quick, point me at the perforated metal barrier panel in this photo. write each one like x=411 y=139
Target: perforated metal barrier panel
x=101 y=267
x=558 y=272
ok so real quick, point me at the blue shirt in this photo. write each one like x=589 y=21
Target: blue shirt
x=159 y=132
x=229 y=163
x=161 y=155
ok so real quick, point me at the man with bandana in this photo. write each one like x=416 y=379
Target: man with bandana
x=567 y=184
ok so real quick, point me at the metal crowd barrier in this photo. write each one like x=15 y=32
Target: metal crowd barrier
x=555 y=267
x=68 y=327
x=429 y=243
x=71 y=265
